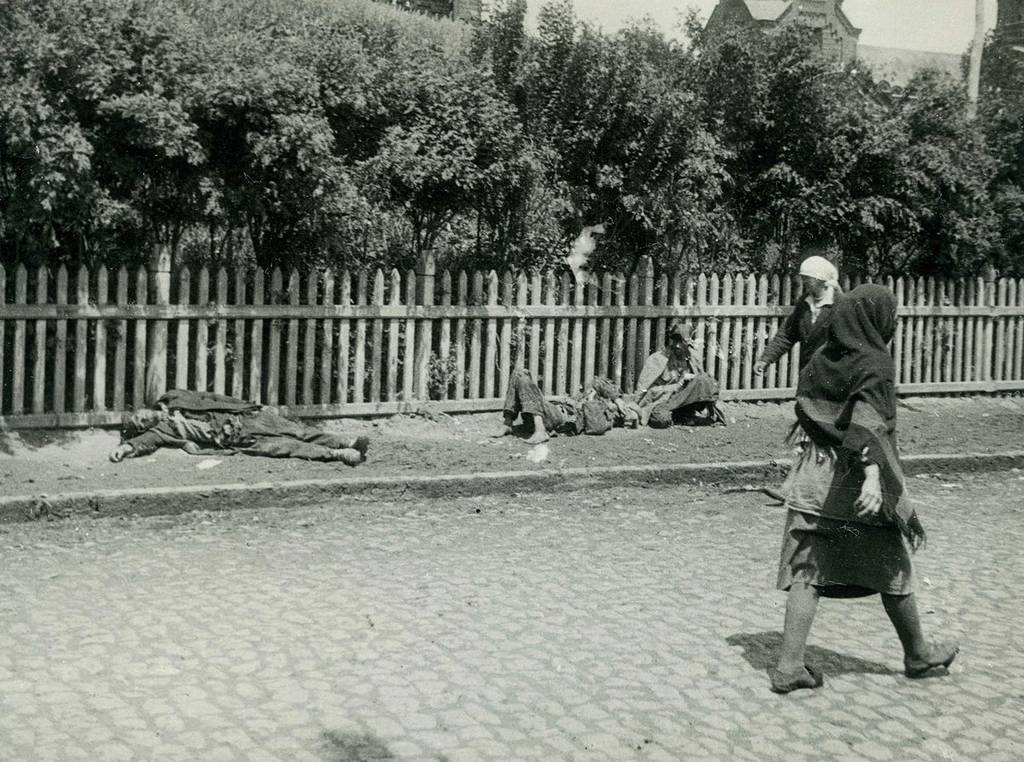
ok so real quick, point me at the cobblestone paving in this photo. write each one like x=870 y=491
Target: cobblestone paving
x=629 y=624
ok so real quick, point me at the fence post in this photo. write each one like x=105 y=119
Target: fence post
x=647 y=296
x=990 y=320
x=156 y=366
x=425 y=270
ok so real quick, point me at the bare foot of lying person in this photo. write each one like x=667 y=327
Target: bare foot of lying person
x=121 y=452
x=348 y=456
x=361 y=444
x=538 y=437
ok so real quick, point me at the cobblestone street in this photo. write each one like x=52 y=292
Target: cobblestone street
x=627 y=624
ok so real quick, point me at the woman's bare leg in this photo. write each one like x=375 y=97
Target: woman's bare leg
x=801 y=606
x=919 y=656
x=902 y=611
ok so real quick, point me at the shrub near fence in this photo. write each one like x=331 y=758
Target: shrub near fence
x=78 y=348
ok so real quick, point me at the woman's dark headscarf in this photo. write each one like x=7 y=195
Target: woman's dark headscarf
x=846 y=397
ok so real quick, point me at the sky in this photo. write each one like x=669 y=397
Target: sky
x=944 y=26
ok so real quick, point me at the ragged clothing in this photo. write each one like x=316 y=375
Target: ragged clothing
x=664 y=393
x=825 y=543
x=205 y=402
x=591 y=412
x=846 y=398
x=826 y=482
x=197 y=421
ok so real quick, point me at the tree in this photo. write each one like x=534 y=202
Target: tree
x=457 y=141
x=620 y=138
x=816 y=154
x=1001 y=116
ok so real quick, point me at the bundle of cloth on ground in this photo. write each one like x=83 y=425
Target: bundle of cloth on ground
x=204 y=422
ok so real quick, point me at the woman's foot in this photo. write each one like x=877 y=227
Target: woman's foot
x=937 y=655
x=792 y=680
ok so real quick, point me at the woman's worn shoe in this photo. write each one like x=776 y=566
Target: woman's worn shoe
x=938 y=655
x=785 y=682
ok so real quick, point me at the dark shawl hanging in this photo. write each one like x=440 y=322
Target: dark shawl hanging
x=846 y=397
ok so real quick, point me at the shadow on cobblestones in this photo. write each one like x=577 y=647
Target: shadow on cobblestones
x=760 y=649
x=353 y=747
x=604 y=625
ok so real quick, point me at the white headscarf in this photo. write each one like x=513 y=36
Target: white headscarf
x=823 y=270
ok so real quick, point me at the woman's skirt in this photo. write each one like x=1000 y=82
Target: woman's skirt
x=842 y=558
x=670 y=403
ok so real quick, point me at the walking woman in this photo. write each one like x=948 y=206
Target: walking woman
x=849 y=530
x=808 y=322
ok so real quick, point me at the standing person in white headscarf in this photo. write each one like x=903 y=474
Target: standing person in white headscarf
x=808 y=323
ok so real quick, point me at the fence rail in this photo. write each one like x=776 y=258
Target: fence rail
x=79 y=348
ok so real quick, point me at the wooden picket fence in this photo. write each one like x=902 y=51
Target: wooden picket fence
x=80 y=348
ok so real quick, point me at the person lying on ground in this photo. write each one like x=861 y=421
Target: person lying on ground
x=673 y=388
x=807 y=324
x=200 y=422
x=592 y=412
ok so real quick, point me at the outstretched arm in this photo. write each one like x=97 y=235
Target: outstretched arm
x=161 y=435
x=781 y=342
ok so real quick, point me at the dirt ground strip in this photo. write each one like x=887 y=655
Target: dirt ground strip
x=51 y=462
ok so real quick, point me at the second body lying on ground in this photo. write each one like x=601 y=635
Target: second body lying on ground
x=593 y=412
x=203 y=421
x=672 y=388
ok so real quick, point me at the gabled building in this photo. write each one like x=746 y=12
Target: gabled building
x=459 y=10
x=836 y=35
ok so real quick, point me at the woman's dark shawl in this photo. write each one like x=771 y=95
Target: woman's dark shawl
x=846 y=397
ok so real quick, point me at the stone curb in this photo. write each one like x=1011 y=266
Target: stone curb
x=175 y=500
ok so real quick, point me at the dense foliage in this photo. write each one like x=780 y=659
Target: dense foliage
x=347 y=132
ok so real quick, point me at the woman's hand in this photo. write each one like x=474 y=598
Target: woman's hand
x=759 y=367
x=870 y=500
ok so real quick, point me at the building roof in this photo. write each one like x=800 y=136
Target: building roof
x=897 y=66
x=767 y=10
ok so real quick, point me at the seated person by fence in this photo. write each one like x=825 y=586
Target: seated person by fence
x=593 y=411
x=198 y=422
x=673 y=388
